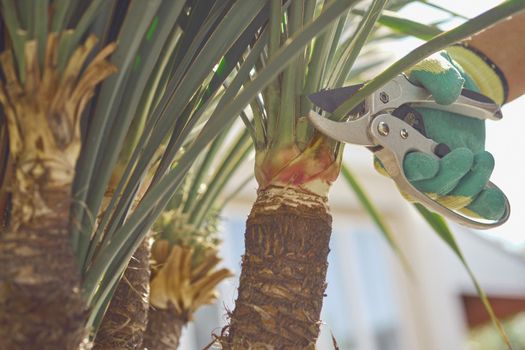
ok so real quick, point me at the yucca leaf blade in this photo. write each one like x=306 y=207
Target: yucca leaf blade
x=60 y=11
x=361 y=35
x=224 y=68
x=16 y=34
x=237 y=152
x=441 y=228
x=316 y=66
x=40 y=22
x=67 y=47
x=26 y=15
x=374 y=214
x=272 y=91
x=139 y=75
x=131 y=233
x=169 y=109
x=444 y=9
x=202 y=170
x=158 y=95
x=407 y=26
x=336 y=43
x=133 y=29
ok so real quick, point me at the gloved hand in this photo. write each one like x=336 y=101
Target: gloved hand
x=459 y=179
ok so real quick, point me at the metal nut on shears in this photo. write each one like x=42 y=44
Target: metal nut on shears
x=383 y=129
x=383 y=96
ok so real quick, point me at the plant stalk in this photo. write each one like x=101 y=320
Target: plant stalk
x=164 y=329
x=283 y=274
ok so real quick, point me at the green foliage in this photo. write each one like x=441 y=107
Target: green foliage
x=187 y=69
x=180 y=104
x=191 y=217
x=441 y=228
x=144 y=116
x=277 y=120
x=405 y=26
x=172 y=108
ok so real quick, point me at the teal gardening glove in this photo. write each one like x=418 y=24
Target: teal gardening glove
x=459 y=179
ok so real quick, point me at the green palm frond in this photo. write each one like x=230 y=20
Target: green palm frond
x=178 y=106
x=125 y=230
x=441 y=228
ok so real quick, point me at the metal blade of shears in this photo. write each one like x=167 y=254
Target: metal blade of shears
x=329 y=100
x=354 y=131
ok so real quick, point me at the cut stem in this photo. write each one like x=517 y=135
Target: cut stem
x=164 y=329
x=283 y=274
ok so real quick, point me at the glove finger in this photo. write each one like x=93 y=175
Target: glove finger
x=452 y=168
x=472 y=183
x=490 y=205
x=420 y=166
x=454 y=130
x=439 y=77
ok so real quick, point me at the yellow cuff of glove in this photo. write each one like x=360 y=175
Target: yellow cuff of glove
x=484 y=74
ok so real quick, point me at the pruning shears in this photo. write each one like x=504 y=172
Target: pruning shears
x=387 y=124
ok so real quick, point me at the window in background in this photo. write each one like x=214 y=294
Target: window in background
x=379 y=291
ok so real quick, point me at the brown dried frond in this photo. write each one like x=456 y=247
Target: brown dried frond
x=43 y=121
x=182 y=285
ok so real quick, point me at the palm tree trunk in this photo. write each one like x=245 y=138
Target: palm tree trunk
x=283 y=274
x=41 y=306
x=182 y=282
x=164 y=329
x=126 y=319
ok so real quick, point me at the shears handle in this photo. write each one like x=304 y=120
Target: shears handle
x=397 y=139
x=469 y=103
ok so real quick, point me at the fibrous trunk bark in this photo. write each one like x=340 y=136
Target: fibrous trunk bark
x=164 y=329
x=126 y=319
x=41 y=306
x=283 y=274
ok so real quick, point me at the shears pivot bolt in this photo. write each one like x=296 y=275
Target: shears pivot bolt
x=383 y=129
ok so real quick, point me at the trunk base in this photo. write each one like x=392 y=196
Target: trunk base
x=164 y=329
x=125 y=320
x=283 y=272
x=41 y=306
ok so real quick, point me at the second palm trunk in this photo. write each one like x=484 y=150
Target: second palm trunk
x=283 y=271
